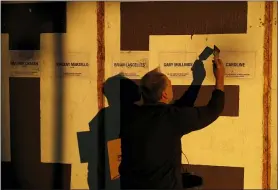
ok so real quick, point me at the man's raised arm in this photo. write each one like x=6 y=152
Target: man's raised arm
x=195 y=118
x=189 y=97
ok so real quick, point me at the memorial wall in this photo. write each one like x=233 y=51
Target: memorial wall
x=52 y=69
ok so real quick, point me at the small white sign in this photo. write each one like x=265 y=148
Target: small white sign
x=72 y=64
x=177 y=64
x=239 y=64
x=24 y=63
x=131 y=64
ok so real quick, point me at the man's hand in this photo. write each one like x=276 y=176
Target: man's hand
x=219 y=73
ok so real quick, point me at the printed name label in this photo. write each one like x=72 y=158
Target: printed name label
x=73 y=64
x=24 y=63
x=177 y=64
x=239 y=64
x=132 y=64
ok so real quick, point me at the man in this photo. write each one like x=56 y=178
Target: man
x=151 y=133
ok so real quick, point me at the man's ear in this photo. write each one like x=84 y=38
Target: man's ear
x=164 y=95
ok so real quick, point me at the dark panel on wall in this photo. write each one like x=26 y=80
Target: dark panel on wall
x=219 y=177
x=25 y=119
x=141 y=19
x=231 y=97
x=25 y=21
x=25 y=170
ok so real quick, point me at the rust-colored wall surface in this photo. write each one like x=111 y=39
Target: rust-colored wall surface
x=141 y=19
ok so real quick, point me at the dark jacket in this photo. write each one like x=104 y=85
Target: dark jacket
x=151 y=139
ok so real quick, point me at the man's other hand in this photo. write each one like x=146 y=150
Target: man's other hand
x=219 y=73
x=198 y=72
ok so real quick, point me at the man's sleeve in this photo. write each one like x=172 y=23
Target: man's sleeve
x=189 y=97
x=195 y=118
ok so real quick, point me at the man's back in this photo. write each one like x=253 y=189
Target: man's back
x=150 y=134
x=151 y=148
x=150 y=137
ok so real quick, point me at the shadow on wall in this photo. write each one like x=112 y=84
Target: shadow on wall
x=104 y=127
x=26 y=171
x=95 y=144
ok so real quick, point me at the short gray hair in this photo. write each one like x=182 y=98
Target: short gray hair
x=152 y=85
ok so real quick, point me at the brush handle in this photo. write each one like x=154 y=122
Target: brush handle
x=216 y=52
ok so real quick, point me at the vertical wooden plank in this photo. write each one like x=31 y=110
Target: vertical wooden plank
x=267 y=95
x=100 y=81
x=100 y=53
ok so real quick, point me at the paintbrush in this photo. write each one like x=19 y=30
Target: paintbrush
x=216 y=52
